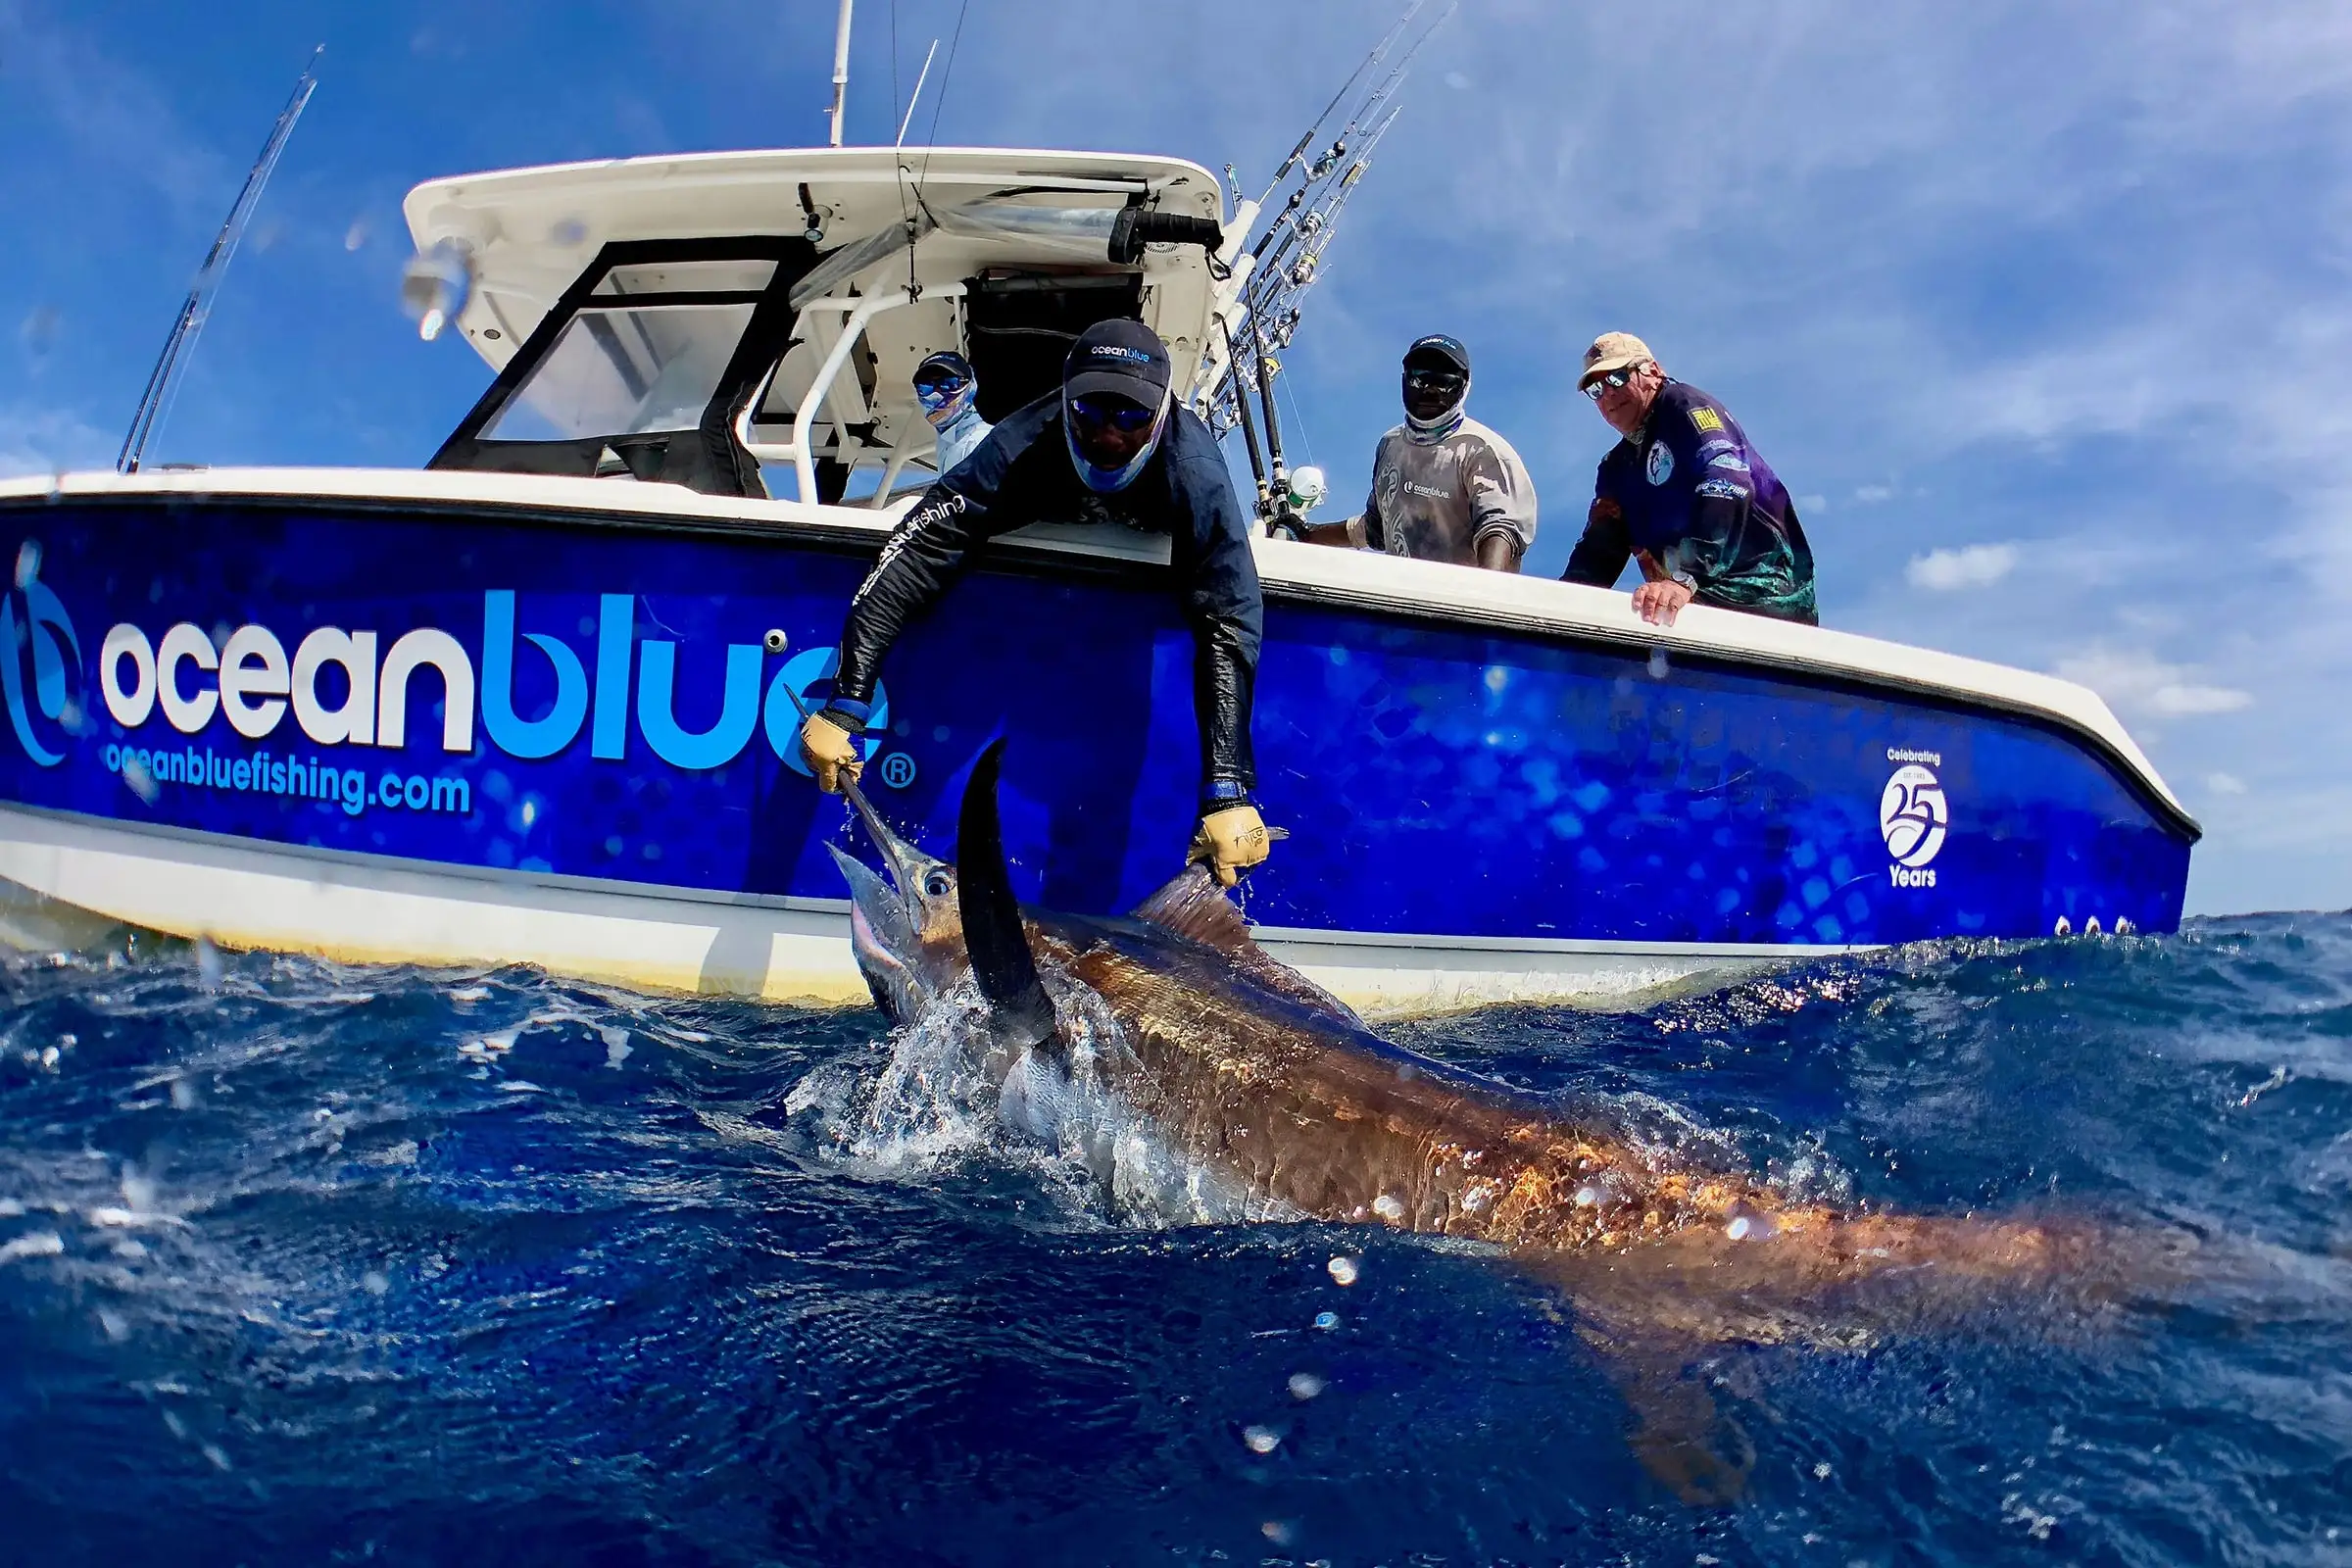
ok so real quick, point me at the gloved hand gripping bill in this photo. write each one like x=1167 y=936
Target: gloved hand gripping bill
x=829 y=746
x=1231 y=839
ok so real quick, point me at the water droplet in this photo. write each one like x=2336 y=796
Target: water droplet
x=1388 y=1208
x=113 y=1322
x=435 y=285
x=1306 y=1386
x=28 y=562
x=1343 y=1270
x=1278 y=1531
x=211 y=967
x=568 y=231
x=1327 y=1321
x=142 y=782
x=1657 y=663
x=39 y=330
x=1820 y=1472
x=1260 y=1440
x=357 y=235
x=374 y=1283
x=183 y=1094
x=1591 y=1195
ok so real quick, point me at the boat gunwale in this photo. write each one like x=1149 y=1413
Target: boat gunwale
x=855 y=528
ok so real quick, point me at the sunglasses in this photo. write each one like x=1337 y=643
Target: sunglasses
x=1112 y=412
x=937 y=385
x=1433 y=380
x=1615 y=378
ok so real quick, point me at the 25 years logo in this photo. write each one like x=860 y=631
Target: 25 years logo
x=39 y=651
x=1912 y=817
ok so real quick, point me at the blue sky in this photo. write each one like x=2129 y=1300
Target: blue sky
x=2042 y=311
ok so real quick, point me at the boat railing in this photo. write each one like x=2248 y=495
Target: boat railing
x=858 y=310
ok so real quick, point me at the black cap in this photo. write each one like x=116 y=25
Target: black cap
x=1438 y=349
x=947 y=361
x=1121 y=357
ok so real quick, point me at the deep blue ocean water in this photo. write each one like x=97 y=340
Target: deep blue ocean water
x=302 y=1263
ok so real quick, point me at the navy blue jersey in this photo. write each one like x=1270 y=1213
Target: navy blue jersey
x=1689 y=491
x=1022 y=474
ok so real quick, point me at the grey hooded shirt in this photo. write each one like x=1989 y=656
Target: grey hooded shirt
x=1437 y=502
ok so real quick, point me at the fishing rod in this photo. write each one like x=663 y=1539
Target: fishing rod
x=1257 y=467
x=1388 y=40
x=162 y=382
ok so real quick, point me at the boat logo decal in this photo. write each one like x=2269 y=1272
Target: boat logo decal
x=34 y=624
x=345 y=687
x=1912 y=817
x=1660 y=466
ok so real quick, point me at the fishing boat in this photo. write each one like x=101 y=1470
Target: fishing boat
x=536 y=702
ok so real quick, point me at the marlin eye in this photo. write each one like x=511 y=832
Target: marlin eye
x=937 y=886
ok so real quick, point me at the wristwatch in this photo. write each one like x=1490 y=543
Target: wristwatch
x=1687 y=580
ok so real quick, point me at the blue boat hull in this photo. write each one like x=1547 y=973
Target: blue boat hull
x=625 y=725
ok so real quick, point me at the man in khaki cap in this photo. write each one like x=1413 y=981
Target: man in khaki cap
x=1685 y=496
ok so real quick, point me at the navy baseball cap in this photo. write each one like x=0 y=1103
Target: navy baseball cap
x=1438 y=349
x=1121 y=357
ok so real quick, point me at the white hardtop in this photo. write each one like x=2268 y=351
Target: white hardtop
x=532 y=232
x=1368 y=578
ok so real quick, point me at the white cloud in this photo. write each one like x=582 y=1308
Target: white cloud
x=1871 y=494
x=2139 y=681
x=2224 y=784
x=1969 y=567
x=50 y=441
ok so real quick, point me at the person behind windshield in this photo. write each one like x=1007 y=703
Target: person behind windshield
x=1687 y=495
x=1444 y=486
x=948 y=390
x=1111 y=446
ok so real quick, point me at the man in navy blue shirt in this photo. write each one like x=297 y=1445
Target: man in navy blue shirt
x=1112 y=446
x=1685 y=495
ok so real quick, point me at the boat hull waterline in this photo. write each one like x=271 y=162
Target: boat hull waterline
x=449 y=732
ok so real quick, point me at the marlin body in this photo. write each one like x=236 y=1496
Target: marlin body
x=1253 y=1075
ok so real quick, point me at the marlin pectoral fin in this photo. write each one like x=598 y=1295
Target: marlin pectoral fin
x=992 y=932
x=1679 y=1434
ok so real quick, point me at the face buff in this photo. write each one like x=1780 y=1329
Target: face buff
x=1110 y=481
x=947 y=390
x=1435 y=359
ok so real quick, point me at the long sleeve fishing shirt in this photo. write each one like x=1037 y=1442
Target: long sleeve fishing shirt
x=1022 y=473
x=1440 y=500
x=1689 y=490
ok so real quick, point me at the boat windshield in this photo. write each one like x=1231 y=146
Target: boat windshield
x=625 y=370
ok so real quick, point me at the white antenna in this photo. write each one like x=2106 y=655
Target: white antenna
x=163 y=384
x=918 y=93
x=841 y=67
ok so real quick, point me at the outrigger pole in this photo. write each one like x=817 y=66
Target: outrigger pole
x=841 y=68
x=162 y=382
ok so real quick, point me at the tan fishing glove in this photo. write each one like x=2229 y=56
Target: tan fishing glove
x=831 y=753
x=1232 y=839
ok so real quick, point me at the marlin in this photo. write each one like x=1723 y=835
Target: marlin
x=1252 y=1076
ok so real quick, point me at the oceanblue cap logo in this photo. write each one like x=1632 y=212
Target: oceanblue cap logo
x=37 y=632
x=1118 y=351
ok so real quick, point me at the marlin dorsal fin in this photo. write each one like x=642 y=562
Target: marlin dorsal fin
x=1195 y=908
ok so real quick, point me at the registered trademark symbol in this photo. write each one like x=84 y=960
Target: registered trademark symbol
x=898 y=770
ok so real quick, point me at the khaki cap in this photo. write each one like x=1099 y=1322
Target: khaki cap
x=1613 y=351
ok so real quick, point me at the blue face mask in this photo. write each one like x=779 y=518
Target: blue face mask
x=945 y=402
x=1110 y=481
